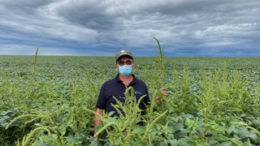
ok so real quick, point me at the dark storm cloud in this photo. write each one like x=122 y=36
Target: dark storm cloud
x=23 y=7
x=184 y=27
x=90 y=14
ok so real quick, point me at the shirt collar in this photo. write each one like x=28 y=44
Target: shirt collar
x=132 y=82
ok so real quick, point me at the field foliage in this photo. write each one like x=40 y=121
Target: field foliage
x=50 y=101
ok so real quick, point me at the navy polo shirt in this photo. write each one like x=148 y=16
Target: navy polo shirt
x=116 y=88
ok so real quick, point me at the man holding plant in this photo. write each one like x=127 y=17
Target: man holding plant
x=116 y=88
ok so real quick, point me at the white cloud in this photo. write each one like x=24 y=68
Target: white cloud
x=30 y=50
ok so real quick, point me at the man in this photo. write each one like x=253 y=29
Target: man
x=116 y=87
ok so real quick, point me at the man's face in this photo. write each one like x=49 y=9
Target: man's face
x=125 y=61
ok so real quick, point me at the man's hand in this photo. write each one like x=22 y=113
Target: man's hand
x=158 y=98
x=97 y=120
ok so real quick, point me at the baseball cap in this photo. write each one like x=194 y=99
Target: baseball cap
x=123 y=53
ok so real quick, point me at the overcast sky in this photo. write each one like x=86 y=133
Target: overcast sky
x=103 y=27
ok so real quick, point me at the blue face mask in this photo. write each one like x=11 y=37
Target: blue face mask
x=125 y=70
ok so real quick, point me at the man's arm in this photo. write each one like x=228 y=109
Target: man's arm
x=97 y=120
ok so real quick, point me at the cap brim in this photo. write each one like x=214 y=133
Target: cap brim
x=123 y=55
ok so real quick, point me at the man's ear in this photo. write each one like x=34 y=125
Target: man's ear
x=116 y=66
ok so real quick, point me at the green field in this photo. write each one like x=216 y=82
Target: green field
x=49 y=101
